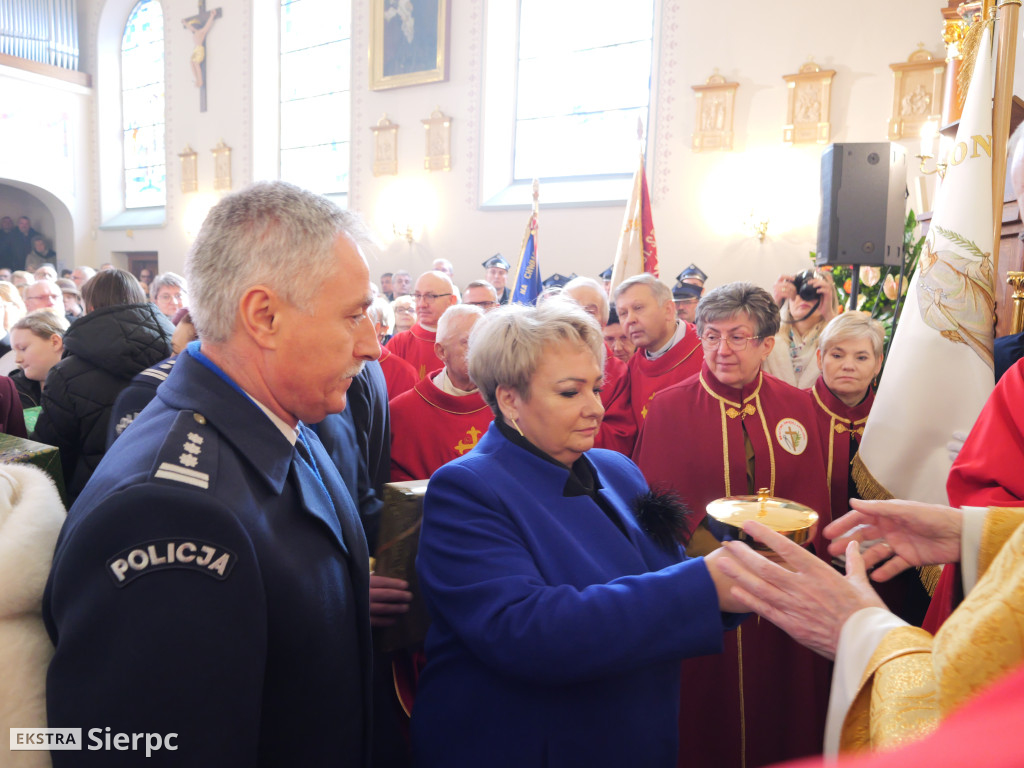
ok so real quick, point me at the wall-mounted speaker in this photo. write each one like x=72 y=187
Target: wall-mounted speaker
x=863 y=204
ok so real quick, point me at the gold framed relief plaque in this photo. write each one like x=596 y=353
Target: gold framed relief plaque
x=917 y=93
x=385 y=148
x=716 y=100
x=189 y=173
x=807 y=113
x=438 y=129
x=221 y=166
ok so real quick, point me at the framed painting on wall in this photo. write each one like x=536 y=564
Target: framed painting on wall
x=408 y=42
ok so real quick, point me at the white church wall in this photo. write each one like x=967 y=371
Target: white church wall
x=700 y=200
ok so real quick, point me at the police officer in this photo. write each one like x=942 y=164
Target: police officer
x=212 y=579
x=497 y=275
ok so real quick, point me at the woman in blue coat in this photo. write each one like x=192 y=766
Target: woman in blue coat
x=561 y=601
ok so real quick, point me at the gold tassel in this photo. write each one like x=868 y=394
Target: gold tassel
x=869 y=488
x=929 y=576
x=969 y=55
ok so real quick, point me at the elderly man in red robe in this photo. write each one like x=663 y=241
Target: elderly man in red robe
x=443 y=416
x=728 y=431
x=434 y=293
x=668 y=352
x=590 y=295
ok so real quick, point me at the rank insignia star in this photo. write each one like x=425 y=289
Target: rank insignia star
x=188 y=460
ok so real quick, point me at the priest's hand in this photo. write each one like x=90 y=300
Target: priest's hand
x=389 y=599
x=724 y=583
x=805 y=597
x=898 y=534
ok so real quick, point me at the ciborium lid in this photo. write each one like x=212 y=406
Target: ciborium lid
x=790 y=518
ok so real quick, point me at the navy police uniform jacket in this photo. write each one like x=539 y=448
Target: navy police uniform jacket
x=556 y=630
x=206 y=585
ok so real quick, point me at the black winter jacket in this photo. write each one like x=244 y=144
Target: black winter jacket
x=103 y=350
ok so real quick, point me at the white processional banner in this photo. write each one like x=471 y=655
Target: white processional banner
x=939 y=371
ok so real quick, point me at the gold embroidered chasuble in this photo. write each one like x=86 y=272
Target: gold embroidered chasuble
x=914 y=680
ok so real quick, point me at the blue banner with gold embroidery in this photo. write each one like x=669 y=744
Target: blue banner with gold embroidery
x=527 y=286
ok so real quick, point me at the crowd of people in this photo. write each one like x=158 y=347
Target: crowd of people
x=226 y=436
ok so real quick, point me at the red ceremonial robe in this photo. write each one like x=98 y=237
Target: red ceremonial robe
x=398 y=374
x=838 y=425
x=987 y=473
x=840 y=429
x=416 y=347
x=764 y=698
x=429 y=428
x=625 y=417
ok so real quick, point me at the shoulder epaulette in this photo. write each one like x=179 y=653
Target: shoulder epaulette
x=188 y=454
x=160 y=371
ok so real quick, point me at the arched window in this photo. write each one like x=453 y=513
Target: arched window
x=316 y=41
x=142 y=106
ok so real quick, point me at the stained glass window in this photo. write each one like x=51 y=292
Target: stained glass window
x=584 y=77
x=315 y=83
x=142 y=106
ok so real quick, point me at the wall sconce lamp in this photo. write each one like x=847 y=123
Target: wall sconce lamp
x=757 y=224
x=929 y=132
x=404 y=231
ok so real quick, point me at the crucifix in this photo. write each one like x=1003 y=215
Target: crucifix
x=199 y=25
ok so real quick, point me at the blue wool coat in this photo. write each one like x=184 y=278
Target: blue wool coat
x=556 y=639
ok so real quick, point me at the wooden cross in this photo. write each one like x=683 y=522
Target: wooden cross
x=199 y=25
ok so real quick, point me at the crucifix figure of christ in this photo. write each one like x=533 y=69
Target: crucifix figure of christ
x=199 y=25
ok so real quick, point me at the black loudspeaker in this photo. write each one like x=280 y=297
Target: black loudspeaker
x=863 y=204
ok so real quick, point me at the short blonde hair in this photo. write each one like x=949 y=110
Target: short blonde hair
x=853 y=325
x=507 y=345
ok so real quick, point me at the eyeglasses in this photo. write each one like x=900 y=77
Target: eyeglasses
x=735 y=341
x=429 y=296
x=405 y=310
x=483 y=304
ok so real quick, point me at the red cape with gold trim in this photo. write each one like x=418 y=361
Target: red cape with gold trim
x=416 y=347
x=625 y=416
x=429 y=428
x=765 y=696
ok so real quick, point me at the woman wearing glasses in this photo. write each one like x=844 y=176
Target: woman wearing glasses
x=730 y=431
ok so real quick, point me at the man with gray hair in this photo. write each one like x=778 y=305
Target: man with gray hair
x=443 y=416
x=668 y=352
x=434 y=294
x=81 y=275
x=210 y=588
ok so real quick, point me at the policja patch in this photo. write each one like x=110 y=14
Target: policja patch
x=152 y=556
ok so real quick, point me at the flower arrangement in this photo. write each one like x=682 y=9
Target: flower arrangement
x=878 y=285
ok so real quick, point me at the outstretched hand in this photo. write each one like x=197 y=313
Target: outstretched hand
x=900 y=534
x=805 y=597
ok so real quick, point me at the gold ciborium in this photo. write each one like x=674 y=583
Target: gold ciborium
x=795 y=521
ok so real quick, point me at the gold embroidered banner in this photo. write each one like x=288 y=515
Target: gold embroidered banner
x=939 y=371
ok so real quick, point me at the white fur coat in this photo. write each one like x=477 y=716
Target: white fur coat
x=31 y=515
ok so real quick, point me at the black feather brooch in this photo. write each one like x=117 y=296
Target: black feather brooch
x=662 y=516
